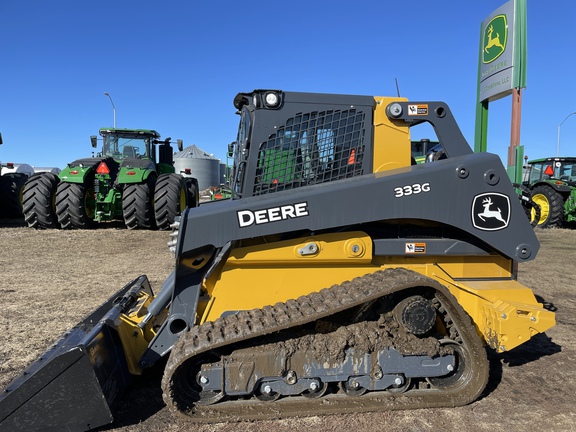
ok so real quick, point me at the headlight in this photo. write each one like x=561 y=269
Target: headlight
x=272 y=99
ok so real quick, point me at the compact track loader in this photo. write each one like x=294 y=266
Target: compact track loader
x=340 y=277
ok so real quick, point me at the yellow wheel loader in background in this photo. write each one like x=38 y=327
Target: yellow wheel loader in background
x=340 y=277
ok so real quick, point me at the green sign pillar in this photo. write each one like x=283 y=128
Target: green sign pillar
x=501 y=70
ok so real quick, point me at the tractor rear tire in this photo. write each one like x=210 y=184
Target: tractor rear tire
x=193 y=193
x=137 y=204
x=170 y=199
x=551 y=204
x=39 y=201
x=75 y=205
x=11 y=188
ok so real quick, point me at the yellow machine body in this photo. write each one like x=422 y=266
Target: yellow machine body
x=504 y=311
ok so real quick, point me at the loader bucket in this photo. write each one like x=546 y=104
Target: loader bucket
x=73 y=385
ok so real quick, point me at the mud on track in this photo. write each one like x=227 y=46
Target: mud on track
x=51 y=279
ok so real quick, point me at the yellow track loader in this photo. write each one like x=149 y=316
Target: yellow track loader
x=341 y=276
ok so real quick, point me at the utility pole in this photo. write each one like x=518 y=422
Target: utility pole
x=113 y=107
x=558 y=141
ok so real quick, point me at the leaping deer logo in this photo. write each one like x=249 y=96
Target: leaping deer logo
x=493 y=41
x=487 y=213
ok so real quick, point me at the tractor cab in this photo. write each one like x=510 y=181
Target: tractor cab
x=135 y=147
x=121 y=144
x=556 y=170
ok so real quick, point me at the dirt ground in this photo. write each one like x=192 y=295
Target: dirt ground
x=51 y=279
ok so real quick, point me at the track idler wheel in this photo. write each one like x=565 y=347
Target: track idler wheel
x=195 y=382
x=461 y=373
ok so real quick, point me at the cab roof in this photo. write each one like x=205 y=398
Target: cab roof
x=123 y=131
x=569 y=159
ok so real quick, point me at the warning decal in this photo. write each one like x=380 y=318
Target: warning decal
x=418 y=109
x=415 y=248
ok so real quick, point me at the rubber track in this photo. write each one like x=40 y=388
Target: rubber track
x=257 y=322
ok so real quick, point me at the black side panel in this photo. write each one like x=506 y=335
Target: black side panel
x=471 y=193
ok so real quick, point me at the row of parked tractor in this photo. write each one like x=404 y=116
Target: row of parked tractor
x=130 y=178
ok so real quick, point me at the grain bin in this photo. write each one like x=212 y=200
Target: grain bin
x=203 y=166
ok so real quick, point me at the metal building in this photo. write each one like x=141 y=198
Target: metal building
x=203 y=166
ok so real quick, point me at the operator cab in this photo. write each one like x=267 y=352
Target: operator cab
x=122 y=144
x=560 y=169
x=298 y=146
x=123 y=147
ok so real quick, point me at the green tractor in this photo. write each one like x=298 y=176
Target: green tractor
x=552 y=183
x=124 y=181
x=422 y=148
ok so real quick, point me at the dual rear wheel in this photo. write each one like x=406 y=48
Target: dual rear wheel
x=170 y=199
x=155 y=203
x=75 y=205
x=39 y=201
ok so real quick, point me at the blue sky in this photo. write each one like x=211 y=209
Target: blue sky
x=176 y=65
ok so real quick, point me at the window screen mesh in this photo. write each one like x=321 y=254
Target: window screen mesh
x=312 y=148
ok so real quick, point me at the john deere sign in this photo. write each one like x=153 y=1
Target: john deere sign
x=502 y=72
x=502 y=53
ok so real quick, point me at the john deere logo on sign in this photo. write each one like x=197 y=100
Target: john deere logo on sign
x=495 y=38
